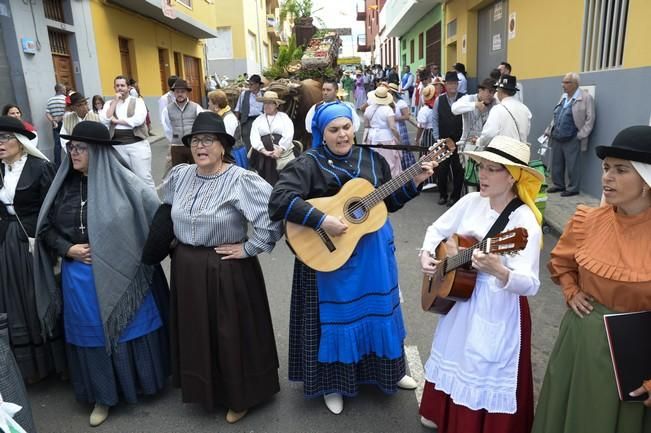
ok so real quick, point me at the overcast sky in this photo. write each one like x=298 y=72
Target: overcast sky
x=336 y=14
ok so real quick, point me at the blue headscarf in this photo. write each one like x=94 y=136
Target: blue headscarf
x=325 y=114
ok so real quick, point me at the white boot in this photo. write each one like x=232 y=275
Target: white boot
x=427 y=423
x=407 y=382
x=98 y=415
x=334 y=402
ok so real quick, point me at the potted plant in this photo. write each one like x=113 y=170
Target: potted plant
x=300 y=11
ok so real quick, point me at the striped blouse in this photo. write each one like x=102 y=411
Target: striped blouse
x=216 y=210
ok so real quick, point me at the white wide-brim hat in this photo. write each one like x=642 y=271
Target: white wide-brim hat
x=380 y=96
x=507 y=151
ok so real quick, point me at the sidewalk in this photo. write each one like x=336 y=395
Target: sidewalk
x=559 y=209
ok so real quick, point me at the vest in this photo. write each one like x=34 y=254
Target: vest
x=70 y=120
x=564 y=126
x=450 y=126
x=139 y=131
x=245 y=108
x=181 y=121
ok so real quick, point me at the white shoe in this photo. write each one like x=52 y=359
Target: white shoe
x=334 y=402
x=427 y=423
x=98 y=415
x=407 y=382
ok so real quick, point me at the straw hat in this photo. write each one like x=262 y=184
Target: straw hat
x=428 y=92
x=393 y=87
x=270 y=96
x=438 y=80
x=381 y=96
x=507 y=151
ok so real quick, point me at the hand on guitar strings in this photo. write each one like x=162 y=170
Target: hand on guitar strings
x=231 y=251
x=428 y=170
x=334 y=226
x=490 y=264
x=428 y=263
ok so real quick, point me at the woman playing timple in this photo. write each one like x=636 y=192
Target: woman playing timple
x=346 y=326
x=96 y=217
x=601 y=263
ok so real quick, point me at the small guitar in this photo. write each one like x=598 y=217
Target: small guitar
x=361 y=206
x=454 y=279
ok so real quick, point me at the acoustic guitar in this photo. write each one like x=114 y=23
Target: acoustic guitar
x=455 y=279
x=361 y=206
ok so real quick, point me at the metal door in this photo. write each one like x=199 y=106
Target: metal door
x=491 y=37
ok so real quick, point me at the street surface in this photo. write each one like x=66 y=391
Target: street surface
x=56 y=411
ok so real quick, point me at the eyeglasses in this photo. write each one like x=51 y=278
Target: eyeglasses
x=6 y=137
x=203 y=141
x=76 y=147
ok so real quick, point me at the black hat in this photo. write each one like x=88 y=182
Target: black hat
x=507 y=82
x=255 y=78
x=459 y=67
x=181 y=84
x=208 y=122
x=451 y=76
x=486 y=83
x=75 y=99
x=11 y=124
x=88 y=131
x=631 y=144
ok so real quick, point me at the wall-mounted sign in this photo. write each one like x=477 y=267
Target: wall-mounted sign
x=498 y=11
x=464 y=44
x=29 y=46
x=497 y=42
x=512 y=25
x=168 y=9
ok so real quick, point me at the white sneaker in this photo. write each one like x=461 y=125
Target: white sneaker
x=98 y=415
x=407 y=382
x=334 y=402
x=427 y=423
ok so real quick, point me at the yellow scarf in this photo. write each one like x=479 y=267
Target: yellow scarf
x=224 y=110
x=528 y=186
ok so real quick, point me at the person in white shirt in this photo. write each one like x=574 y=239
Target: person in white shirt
x=460 y=69
x=510 y=117
x=178 y=118
x=329 y=90
x=505 y=69
x=125 y=117
x=479 y=368
x=168 y=97
x=248 y=107
x=271 y=135
x=424 y=135
x=380 y=123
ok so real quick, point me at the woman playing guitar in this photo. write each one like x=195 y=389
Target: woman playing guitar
x=346 y=326
x=479 y=376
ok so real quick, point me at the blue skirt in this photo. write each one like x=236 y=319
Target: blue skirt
x=239 y=154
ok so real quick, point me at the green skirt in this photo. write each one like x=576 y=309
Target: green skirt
x=579 y=393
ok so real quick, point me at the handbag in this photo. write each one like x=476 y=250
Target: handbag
x=286 y=156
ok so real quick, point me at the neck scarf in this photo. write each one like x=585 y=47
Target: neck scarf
x=224 y=110
x=324 y=114
x=528 y=186
x=120 y=210
x=29 y=147
x=644 y=170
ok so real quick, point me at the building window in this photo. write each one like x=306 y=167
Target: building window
x=411 y=51
x=253 y=46
x=186 y=3
x=452 y=28
x=54 y=10
x=421 y=45
x=404 y=44
x=604 y=33
x=125 y=57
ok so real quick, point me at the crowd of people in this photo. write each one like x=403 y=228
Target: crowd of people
x=82 y=240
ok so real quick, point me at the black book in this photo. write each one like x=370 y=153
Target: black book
x=629 y=335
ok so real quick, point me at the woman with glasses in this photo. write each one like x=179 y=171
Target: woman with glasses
x=96 y=218
x=25 y=177
x=224 y=352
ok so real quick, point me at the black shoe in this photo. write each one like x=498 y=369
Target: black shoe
x=569 y=193
x=451 y=202
x=555 y=189
x=443 y=200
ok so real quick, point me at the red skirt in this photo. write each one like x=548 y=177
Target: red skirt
x=450 y=417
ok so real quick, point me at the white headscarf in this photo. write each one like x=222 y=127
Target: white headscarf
x=644 y=170
x=29 y=147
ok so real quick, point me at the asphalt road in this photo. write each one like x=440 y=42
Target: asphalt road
x=55 y=409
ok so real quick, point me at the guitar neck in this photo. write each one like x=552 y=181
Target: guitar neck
x=397 y=182
x=463 y=258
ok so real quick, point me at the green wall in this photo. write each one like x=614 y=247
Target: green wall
x=430 y=19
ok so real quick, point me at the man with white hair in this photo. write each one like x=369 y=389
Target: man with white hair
x=571 y=125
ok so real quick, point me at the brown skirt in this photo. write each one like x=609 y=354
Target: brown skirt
x=223 y=346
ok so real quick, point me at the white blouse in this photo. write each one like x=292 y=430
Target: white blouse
x=278 y=124
x=11 y=177
x=476 y=347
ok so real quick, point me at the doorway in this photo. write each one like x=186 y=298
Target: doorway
x=491 y=37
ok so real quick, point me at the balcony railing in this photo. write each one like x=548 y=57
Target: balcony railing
x=362 y=46
x=361 y=11
x=54 y=10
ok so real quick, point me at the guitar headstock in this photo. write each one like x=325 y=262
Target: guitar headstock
x=508 y=242
x=440 y=150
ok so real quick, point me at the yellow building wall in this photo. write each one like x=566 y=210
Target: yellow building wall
x=638 y=35
x=202 y=11
x=111 y=22
x=231 y=14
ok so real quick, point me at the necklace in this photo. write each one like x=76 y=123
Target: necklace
x=82 y=203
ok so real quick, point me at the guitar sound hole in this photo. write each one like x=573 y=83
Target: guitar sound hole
x=356 y=211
